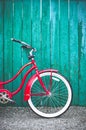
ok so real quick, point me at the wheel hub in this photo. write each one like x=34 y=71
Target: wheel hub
x=49 y=94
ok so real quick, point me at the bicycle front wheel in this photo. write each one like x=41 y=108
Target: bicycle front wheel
x=59 y=99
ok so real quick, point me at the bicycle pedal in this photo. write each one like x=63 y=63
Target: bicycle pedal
x=13 y=102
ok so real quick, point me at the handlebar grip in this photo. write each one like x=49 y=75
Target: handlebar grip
x=21 y=42
x=13 y=39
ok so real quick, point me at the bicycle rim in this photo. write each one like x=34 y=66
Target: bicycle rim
x=57 y=102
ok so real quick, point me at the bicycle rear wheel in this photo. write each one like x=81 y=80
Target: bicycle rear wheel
x=59 y=99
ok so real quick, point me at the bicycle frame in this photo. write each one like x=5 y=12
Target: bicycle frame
x=34 y=67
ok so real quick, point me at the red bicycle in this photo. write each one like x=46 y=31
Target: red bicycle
x=47 y=92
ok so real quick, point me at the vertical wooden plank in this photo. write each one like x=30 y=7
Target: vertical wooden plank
x=46 y=42
x=74 y=50
x=26 y=36
x=17 y=55
x=64 y=45
x=55 y=34
x=35 y=14
x=7 y=42
x=1 y=39
x=82 y=52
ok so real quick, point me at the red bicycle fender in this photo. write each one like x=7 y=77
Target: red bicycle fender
x=27 y=92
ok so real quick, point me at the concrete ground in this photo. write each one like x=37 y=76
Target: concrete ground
x=18 y=118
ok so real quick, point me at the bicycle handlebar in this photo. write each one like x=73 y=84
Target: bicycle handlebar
x=21 y=42
x=26 y=46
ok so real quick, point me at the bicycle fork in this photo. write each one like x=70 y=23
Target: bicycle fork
x=42 y=83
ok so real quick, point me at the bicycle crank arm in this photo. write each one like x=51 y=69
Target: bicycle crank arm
x=10 y=100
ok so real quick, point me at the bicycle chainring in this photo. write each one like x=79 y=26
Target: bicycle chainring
x=3 y=97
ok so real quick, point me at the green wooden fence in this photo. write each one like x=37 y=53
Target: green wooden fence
x=57 y=28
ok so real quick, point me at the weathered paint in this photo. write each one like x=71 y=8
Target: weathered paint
x=57 y=28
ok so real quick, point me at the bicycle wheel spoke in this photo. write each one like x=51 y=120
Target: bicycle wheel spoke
x=37 y=102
